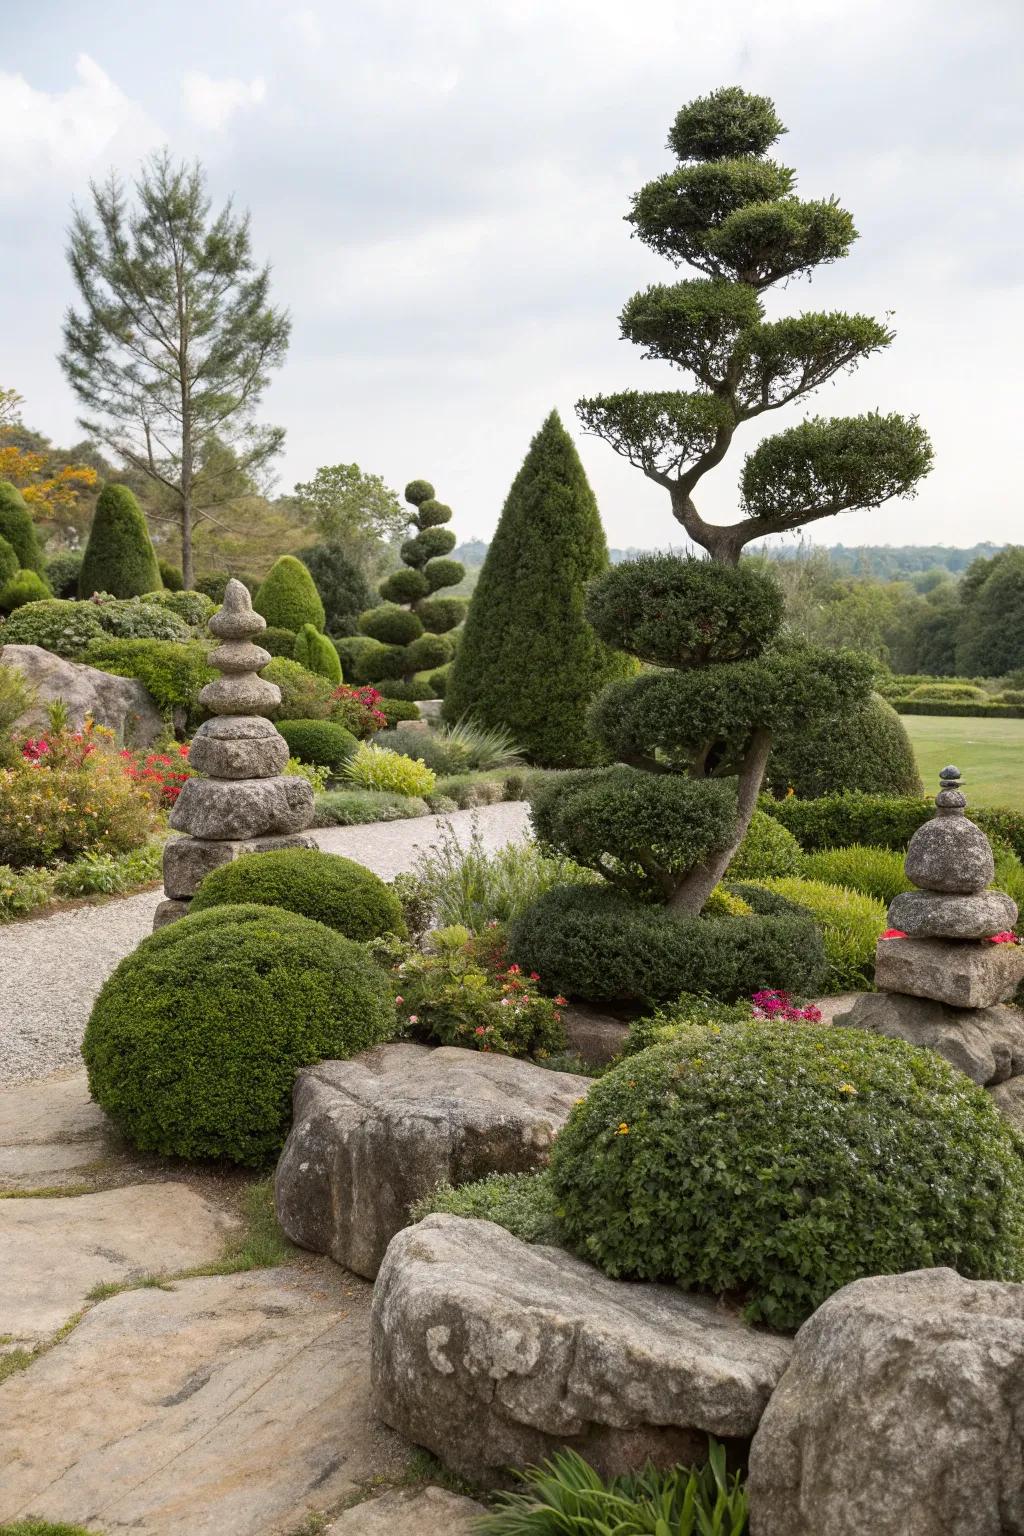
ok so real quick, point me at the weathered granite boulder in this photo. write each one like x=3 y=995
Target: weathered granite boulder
x=932 y=915
x=371 y=1135
x=987 y=1044
x=188 y=860
x=168 y=911
x=961 y=974
x=901 y=1414
x=950 y=853
x=1008 y=1097
x=238 y=747
x=120 y=703
x=595 y=1037
x=229 y=809
x=410 y=1512
x=493 y=1353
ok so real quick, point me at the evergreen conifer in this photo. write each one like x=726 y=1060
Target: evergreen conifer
x=119 y=556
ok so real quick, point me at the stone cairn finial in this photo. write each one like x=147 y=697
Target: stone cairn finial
x=242 y=803
x=940 y=978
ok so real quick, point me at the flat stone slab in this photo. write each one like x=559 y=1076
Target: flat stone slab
x=188 y=860
x=931 y=914
x=410 y=1512
x=962 y=975
x=985 y=1043
x=900 y=1415
x=493 y=1353
x=56 y=1250
x=371 y=1135
x=242 y=808
x=228 y=1406
x=49 y=1132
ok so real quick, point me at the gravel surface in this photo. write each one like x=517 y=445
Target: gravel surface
x=52 y=967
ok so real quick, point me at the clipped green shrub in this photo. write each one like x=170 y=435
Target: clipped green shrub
x=195 y=608
x=390 y=624
x=865 y=748
x=319 y=741
x=58 y=625
x=850 y=924
x=316 y=653
x=876 y=872
x=399 y=688
x=344 y=590
x=17 y=527
x=62 y=570
x=405 y=585
x=523 y=1203
x=841 y=819
x=172 y=672
x=279 y=642
x=780 y=1162
x=194 y=1041
x=358 y=654
x=441 y=614
x=443 y=573
x=529 y=659
x=373 y=767
x=119 y=556
x=171 y=576
x=430 y=544
x=597 y=944
x=23 y=587
x=767 y=849
x=359 y=807
x=338 y=892
x=304 y=695
x=438 y=680
x=686 y=613
x=397 y=710
x=214 y=583
x=640 y=830
x=9 y=563
x=427 y=652
x=683 y=1019
x=954 y=691
x=287 y=596
x=136 y=619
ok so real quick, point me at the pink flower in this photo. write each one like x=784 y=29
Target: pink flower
x=535 y=976
x=894 y=933
x=414 y=1018
x=1006 y=937
x=399 y=1000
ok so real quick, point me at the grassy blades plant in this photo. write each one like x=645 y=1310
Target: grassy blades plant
x=566 y=1497
x=357 y=807
x=875 y=872
x=484 y=746
x=465 y=884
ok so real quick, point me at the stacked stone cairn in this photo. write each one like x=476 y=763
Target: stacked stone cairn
x=944 y=983
x=242 y=803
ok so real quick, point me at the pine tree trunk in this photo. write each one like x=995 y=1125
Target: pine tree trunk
x=695 y=889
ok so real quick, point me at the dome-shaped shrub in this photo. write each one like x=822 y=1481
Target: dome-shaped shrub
x=62 y=572
x=404 y=585
x=319 y=741
x=62 y=626
x=780 y=1162
x=171 y=576
x=390 y=624
x=194 y=1041
x=135 y=619
x=17 y=527
x=419 y=491
x=338 y=892
x=119 y=556
x=685 y=612
x=431 y=544
x=279 y=642
x=287 y=596
x=304 y=695
x=768 y=848
x=317 y=654
x=443 y=573
x=866 y=747
x=23 y=587
x=195 y=608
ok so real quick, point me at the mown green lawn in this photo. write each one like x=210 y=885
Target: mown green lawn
x=989 y=754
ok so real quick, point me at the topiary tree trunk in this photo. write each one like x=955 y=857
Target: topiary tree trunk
x=413 y=622
x=529 y=659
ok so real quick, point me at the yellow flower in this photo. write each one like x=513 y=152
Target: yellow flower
x=847 y=1088
x=623 y=1129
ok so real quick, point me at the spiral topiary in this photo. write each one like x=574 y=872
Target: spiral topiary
x=323 y=886
x=410 y=622
x=194 y=1041
x=778 y=1163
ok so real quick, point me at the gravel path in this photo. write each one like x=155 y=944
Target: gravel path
x=52 y=967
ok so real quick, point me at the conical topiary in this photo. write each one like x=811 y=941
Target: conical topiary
x=528 y=659
x=316 y=653
x=119 y=556
x=287 y=596
x=412 y=625
x=17 y=527
x=9 y=562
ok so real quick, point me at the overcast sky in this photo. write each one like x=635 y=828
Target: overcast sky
x=440 y=187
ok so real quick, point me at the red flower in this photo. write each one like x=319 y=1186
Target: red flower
x=1006 y=937
x=894 y=933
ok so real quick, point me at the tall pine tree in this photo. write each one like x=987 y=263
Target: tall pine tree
x=528 y=658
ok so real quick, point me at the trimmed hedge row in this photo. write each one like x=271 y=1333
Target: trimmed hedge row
x=879 y=821
x=969 y=708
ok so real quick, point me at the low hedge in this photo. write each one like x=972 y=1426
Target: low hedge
x=850 y=924
x=595 y=943
x=319 y=741
x=337 y=892
x=194 y=1041
x=779 y=1162
x=958 y=708
x=879 y=821
x=359 y=807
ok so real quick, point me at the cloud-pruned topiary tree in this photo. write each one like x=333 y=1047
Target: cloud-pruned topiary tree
x=413 y=625
x=732 y=213
x=287 y=596
x=119 y=556
x=17 y=527
x=529 y=660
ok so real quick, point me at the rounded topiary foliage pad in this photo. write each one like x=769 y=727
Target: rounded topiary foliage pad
x=194 y=1041
x=338 y=892
x=776 y=1163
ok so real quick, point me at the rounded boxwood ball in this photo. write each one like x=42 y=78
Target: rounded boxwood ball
x=419 y=491
x=779 y=1162
x=678 y=611
x=390 y=624
x=335 y=891
x=865 y=748
x=193 y=1043
x=404 y=586
x=326 y=743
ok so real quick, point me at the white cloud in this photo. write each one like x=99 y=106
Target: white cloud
x=211 y=103
x=64 y=133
